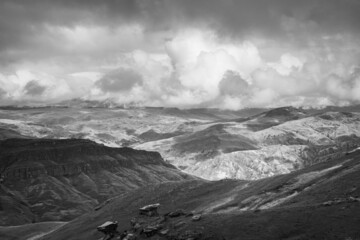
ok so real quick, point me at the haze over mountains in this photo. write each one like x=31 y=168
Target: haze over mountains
x=64 y=161
x=209 y=143
x=179 y=120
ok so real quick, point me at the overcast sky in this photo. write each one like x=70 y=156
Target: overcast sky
x=185 y=53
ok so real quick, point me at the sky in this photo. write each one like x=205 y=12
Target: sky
x=229 y=54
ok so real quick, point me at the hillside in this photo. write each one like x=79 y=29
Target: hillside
x=283 y=140
x=318 y=202
x=58 y=180
x=30 y=231
x=209 y=143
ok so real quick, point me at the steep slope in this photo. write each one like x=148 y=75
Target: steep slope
x=46 y=179
x=7 y=133
x=318 y=202
x=274 y=117
x=232 y=149
x=31 y=231
x=210 y=143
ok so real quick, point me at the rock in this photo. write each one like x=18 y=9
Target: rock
x=164 y=232
x=354 y=199
x=196 y=217
x=328 y=203
x=190 y=214
x=162 y=219
x=98 y=207
x=151 y=230
x=109 y=228
x=149 y=210
x=176 y=213
x=191 y=235
x=179 y=224
x=136 y=226
x=133 y=221
x=129 y=236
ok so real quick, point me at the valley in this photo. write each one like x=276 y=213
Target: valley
x=290 y=172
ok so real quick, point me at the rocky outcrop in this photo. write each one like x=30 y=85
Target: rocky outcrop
x=30 y=158
x=61 y=179
x=165 y=226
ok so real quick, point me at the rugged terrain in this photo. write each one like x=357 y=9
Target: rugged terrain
x=283 y=173
x=58 y=180
x=319 y=202
x=209 y=143
x=275 y=142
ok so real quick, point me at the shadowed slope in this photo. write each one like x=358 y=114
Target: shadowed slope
x=62 y=179
x=319 y=202
x=212 y=141
x=31 y=231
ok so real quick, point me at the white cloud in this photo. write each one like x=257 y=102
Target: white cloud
x=186 y=67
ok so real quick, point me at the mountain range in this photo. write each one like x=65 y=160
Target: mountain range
x=282 y=173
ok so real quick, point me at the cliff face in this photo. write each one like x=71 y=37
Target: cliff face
x=61 y=179
x=23 y=159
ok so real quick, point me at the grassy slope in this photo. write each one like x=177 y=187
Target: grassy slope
x=301 y=217
x=28 y=231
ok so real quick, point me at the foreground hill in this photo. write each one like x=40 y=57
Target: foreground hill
x=318 y=202
x=30 y=231
x=58 y=180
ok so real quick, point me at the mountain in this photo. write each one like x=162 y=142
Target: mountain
x=58 y=180
x=274 y=142
x=318 y=202
x=209 y=143
x=80 y=103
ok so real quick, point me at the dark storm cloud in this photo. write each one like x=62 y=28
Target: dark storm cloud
x=232 y=84
x=73 y=42
x=21 y=21
x=24 y=24
x=2 y=93
x=119 y=80
x=33 y=88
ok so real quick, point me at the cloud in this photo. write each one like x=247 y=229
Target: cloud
x=119 y=80
x=209 y=53
x=233 y=85
x=2 y=93
x=33 y=88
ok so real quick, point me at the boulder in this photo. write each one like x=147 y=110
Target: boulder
x=196 y=217
x=151 y=230
x=176 y=213
x=149 y=210
x=108 y=228
x=164 y=232
x=130 y=236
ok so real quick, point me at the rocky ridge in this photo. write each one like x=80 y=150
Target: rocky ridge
x=47 y=179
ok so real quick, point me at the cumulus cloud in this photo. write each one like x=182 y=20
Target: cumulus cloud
x=233 y=85
x=33 y=88
x=2 y=93
x=228 y=54
x=119 y=80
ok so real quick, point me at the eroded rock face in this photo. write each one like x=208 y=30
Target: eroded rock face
x=279 y=141
x=62 y=179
